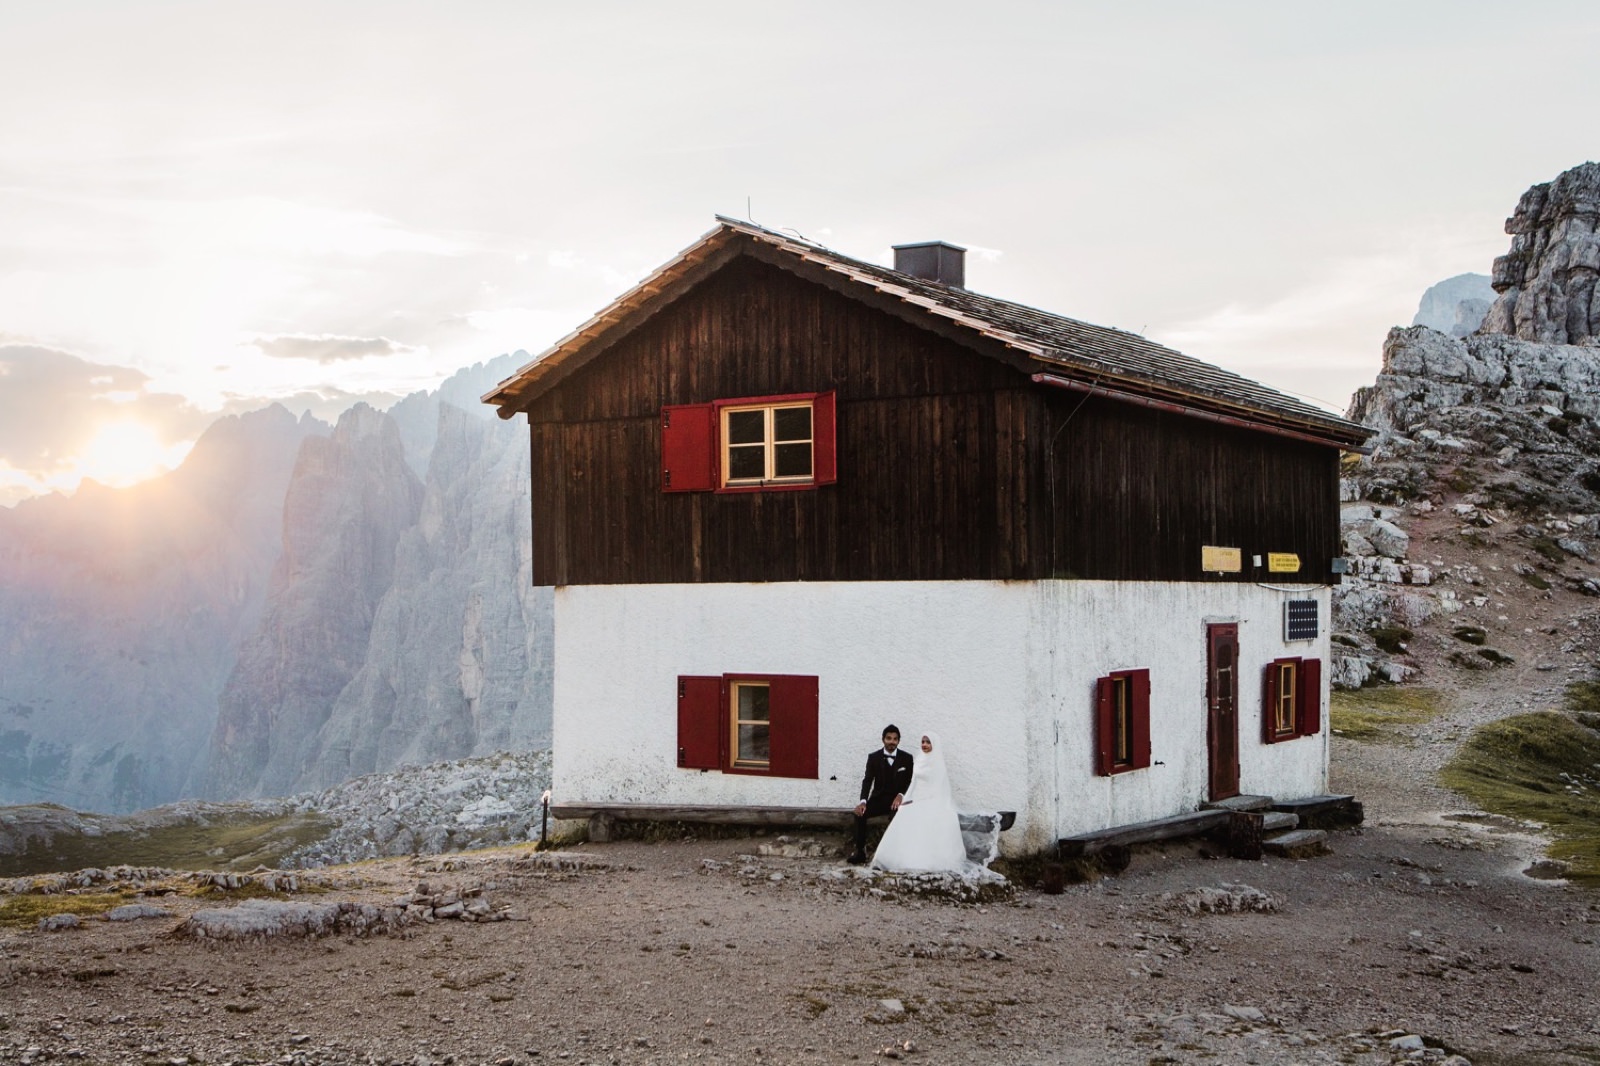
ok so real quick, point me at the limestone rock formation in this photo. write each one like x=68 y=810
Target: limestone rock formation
x=350 y=500
x=122 y=611
x=409 y=630
x=460 y=652
x=1474 y=519
x=1496 y=442
x=1546 y=281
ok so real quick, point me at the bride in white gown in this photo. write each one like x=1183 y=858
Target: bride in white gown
x=925 y=834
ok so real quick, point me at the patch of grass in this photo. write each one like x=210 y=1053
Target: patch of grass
x=1471 y=634
x=238 y=842
x=1533 y=578
x=1548 y=548
x=1541 y=768
x=24 y=912
x=1372 y=714
x=1583 y=697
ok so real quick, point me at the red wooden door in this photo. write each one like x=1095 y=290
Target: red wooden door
x=1222 y=708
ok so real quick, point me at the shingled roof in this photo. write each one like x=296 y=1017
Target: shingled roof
x=1063 y=350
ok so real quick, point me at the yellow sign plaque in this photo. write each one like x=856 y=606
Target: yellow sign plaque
x=1283 y=563
x=1215 y=560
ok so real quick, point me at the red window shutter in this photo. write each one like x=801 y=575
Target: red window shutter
x=688 y=448
x=825 y=457
x=1104 y=693
x=1310 y=702
x=1269 y=703
x=792 y=702
x=1140 y=688
x=700 y=718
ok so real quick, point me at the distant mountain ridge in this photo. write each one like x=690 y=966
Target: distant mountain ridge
x=122 y=611
x=160 y=642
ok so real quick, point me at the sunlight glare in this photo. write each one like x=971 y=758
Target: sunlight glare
x=125 y=453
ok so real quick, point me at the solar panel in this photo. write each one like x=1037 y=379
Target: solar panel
x=1300 y=620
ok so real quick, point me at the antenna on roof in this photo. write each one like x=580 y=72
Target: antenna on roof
x=748 y=215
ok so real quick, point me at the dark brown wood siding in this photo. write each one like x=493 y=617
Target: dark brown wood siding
x=943 y=459
x=1138 y=493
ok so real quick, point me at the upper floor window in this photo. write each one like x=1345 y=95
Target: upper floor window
x=767 y=443
x=754 y=444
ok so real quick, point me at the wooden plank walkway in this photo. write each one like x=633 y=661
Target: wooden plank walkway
x=827 y=817
x=1179 y=825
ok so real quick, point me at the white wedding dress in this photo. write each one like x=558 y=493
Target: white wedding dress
x=925 y=835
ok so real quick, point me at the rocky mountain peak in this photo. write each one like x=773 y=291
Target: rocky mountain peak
x=1457 y=305
x=1473 y=526
x=1546 y=281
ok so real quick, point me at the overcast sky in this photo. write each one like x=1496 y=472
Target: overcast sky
x=206 y=207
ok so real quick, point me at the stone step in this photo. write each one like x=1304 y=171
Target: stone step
x=1278 y=821
x=1297 y=844
x=1324 y=812
x=1239 y=803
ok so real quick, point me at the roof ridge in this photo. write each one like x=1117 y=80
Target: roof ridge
x=1053 y=340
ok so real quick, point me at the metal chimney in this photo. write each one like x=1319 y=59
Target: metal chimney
x=933 y=261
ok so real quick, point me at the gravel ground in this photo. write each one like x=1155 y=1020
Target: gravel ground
x=1416 y=925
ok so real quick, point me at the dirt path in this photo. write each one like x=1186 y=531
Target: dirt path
x=708 y=952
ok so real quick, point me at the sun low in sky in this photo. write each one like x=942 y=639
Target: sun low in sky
x=225 y=206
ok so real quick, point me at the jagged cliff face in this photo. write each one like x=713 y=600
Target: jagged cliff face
x=402 y=626
x=1547 y=281
x=121 y=615
x=460 y=652
x=286 y=609
x=349 y=501
x=1477 y=514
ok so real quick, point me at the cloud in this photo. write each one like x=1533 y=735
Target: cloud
x=53 y=403
x=327 y=348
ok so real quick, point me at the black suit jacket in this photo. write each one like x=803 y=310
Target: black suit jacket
x=883 y=781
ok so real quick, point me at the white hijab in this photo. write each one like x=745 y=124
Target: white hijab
x=929 y=776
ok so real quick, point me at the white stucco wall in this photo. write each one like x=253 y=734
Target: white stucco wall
x=1004 y=671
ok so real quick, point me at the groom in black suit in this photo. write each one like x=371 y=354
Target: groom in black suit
x=887 y=778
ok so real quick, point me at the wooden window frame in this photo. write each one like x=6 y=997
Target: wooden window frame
x=736 y=686
x=1291 y=701
x=770 y=478
x=695 y=448
x=708 y=724
x=1122 y=722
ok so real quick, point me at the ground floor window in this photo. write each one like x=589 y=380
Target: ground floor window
x=1122 y=722
x=748 y=724
x=750 y=715
x=1292 y=702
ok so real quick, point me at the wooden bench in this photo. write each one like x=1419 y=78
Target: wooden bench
x=603 y=817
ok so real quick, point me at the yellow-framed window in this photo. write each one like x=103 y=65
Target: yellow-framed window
x=750 y=724
x=767 y=444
